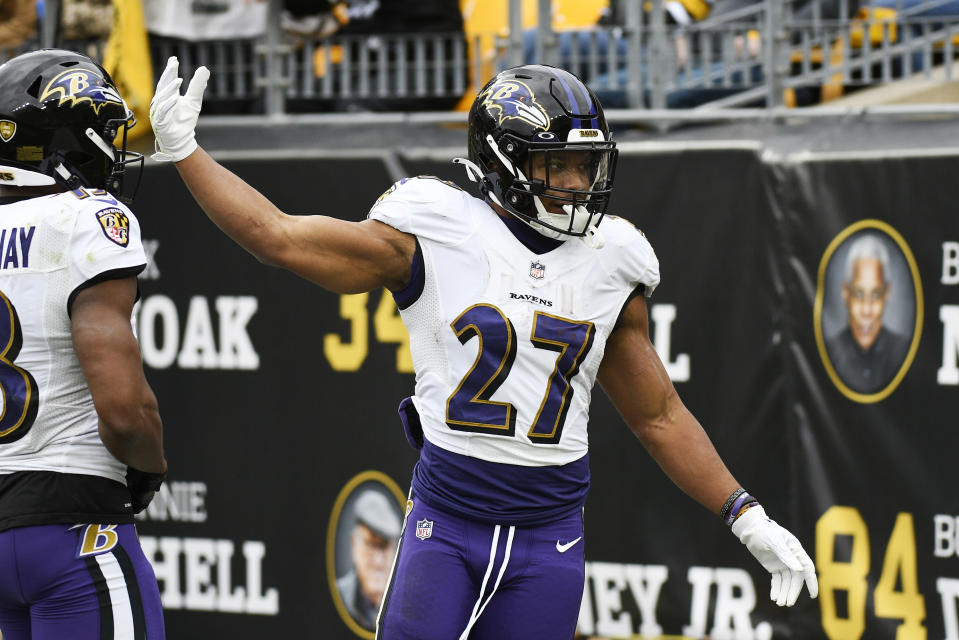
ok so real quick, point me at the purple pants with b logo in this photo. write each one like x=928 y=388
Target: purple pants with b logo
x=86 y=582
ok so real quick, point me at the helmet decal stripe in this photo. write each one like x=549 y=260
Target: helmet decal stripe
x=594 y=123
x=577 y=122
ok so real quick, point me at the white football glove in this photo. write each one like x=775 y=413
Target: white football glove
x=173 y=116
x=780 y=553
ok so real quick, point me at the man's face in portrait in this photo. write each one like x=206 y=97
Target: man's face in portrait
x=372 y=558
x=865 y=296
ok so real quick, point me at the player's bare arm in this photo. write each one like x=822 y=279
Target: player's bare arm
x=103 y=339
x=635 y=380
x=341 y=256
x=338 y=255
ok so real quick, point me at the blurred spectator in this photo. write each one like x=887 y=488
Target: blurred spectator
x=364 y=27
x=312 y=18
x=323 y=18
x=394 y=16
x=206 y=20
x=18 y=22
x=186 y=27
x=86 y=19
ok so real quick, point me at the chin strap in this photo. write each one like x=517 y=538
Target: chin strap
x=592 y=237
x=472 y=171
x=101 y=144
x=475 y=174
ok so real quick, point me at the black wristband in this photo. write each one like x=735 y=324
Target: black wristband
x=739 y=506
x=729 y=502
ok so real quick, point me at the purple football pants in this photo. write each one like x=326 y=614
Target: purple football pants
x=458 y=578
x=90 y=582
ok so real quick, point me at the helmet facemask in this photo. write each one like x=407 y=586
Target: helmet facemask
x=561 y=189
x=121 y=158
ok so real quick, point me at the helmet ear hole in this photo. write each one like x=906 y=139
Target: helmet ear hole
x=518 y=201
x=513 y=148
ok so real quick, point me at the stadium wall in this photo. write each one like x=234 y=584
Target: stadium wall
x=279 y=400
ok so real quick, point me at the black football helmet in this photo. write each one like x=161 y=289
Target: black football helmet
x=59 y=114
x=522 y=126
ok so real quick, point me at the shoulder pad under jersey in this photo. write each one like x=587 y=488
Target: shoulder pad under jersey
x=632 y=256
x=427 y=207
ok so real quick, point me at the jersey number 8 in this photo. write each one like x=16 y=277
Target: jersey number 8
x=17 y=386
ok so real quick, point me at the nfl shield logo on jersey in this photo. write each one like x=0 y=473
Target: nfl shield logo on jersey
x=424 y=529
x=537 y=270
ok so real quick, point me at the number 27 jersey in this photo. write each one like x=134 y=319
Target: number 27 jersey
x=506 y=343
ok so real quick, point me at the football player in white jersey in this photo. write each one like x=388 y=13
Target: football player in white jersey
x=516 y=303
x=80 y=435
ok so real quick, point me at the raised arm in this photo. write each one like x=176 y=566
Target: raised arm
x=341 y=256
x=338 y=255
x=637 y=383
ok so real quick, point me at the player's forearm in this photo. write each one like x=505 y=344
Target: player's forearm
x=135 y=437
x=685 y=453
x=242 y=212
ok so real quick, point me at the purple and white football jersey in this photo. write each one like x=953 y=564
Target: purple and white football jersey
x=506 y=344
x=50 y=248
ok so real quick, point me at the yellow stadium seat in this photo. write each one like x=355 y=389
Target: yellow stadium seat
x=878 y=22
x=879 y=19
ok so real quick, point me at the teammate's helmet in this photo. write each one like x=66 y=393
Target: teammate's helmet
x=525 y=117
x=59 y=114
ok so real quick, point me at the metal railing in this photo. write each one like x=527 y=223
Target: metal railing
x=758 y=56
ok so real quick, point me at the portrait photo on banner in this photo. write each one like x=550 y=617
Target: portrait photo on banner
x=364 y=530
x=868 y=310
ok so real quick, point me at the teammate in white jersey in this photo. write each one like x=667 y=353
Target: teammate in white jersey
x=80 y=435
x=516 y=303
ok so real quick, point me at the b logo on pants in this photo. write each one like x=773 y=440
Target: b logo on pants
x=97 y=538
